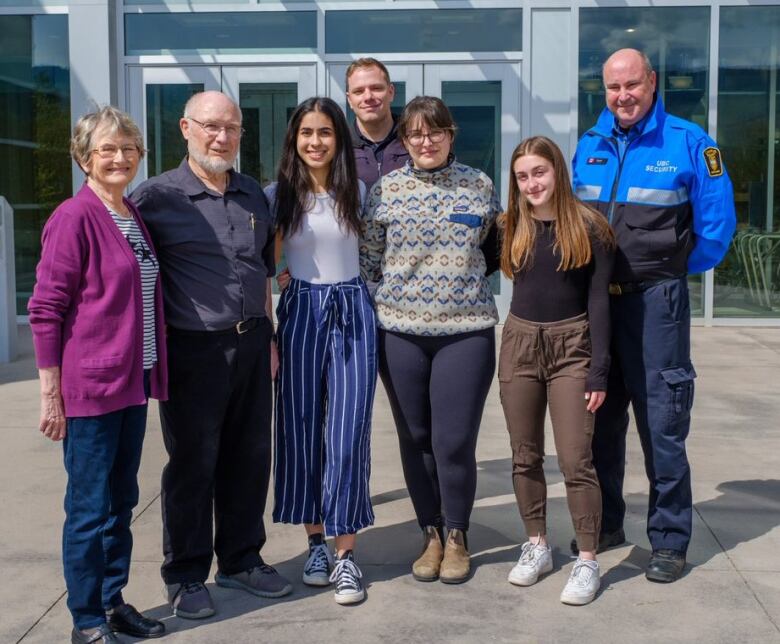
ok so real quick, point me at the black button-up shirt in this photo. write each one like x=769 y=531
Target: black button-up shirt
x=215 y=251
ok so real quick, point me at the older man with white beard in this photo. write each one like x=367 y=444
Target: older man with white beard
x=214 y=238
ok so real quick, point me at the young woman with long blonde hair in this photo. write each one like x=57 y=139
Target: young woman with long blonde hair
x=554 y=352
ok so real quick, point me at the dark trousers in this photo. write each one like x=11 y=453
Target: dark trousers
x=540 y=364
x=102 y=456
x=652 y=370
x=437 y=386
x=217 y=431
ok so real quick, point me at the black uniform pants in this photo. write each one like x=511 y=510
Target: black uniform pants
x=217 y=430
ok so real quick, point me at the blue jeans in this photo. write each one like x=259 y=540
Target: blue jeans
x=102 y=455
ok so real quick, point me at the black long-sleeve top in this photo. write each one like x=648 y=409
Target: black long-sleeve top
x=541 y=293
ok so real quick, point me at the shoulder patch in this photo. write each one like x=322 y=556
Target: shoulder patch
x=713 y=161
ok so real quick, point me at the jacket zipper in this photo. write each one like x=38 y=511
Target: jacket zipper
x=621 y=158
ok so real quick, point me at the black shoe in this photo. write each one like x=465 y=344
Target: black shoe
x=126 y=619
x=607 y=540
x=665 y=566
x=100 y=635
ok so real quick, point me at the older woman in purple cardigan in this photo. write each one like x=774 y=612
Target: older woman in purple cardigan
x=99 y=335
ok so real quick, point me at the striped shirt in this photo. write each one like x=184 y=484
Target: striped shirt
x=150 y=268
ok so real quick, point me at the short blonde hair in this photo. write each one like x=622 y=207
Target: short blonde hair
x=110 y=118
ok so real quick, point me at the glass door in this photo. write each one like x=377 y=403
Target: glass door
x=156 y=98
x=267 y=97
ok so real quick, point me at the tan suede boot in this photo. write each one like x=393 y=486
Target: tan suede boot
x=456 y=565
x=426 y=568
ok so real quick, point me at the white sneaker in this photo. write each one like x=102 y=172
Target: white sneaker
x=535 y=560
x=583 y=583
x=318 y=566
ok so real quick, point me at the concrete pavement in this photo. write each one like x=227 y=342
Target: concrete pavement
x=730 y=592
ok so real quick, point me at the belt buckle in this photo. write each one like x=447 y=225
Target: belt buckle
x=615 y=289
x=240 y=326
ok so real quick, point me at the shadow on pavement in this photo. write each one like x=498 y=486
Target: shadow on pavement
x=744 y=511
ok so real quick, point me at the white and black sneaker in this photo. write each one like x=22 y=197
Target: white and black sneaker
x=346 y=575
x=319 y=565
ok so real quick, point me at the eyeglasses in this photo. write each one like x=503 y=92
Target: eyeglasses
x=109 y=151
x=434 y=136
x=212 y=129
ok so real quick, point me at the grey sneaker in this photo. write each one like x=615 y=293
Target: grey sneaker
x=190 y=600
x=100 y=635
x=318 y=566
x=262 y=580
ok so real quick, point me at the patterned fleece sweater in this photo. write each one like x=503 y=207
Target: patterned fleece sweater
x=422 y=244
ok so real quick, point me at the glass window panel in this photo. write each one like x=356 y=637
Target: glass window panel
x=35 y=166
x=221 y=33
x=266 y=108
x=747 y=282
x=675 y=38
x=428 y=30
x=164 y=107
x=476 y=108
x=130 y=3
x=36 y=4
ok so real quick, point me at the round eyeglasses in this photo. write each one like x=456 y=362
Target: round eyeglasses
x=434 y=136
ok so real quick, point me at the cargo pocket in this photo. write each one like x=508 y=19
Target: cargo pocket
x=680 y=383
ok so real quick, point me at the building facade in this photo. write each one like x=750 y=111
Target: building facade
x=506 y=68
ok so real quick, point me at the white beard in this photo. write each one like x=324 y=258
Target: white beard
x=212 y=165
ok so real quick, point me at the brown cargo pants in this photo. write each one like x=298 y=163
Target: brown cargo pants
x=541 y=363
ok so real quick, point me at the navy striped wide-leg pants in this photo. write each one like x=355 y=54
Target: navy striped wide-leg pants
x=324 y=397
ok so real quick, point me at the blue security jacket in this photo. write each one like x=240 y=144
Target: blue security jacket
x=663 y=188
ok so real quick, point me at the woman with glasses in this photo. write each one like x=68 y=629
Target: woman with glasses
x=98 y=330
x=436 y=313
x=327 y=347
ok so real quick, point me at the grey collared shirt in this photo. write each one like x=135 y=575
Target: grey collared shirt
x=215 y=251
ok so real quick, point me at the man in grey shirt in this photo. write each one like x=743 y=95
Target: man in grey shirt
x=214 y=238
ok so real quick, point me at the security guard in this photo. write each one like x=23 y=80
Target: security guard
x=661 y=183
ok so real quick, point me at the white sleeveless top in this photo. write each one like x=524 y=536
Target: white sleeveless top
x=321 y=251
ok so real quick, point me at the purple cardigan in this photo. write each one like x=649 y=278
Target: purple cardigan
x=86 y=311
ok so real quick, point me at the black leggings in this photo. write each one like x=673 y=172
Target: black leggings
x=437 y=387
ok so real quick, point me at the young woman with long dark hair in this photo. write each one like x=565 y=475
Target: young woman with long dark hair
x=554 y=351
x=327 y=347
